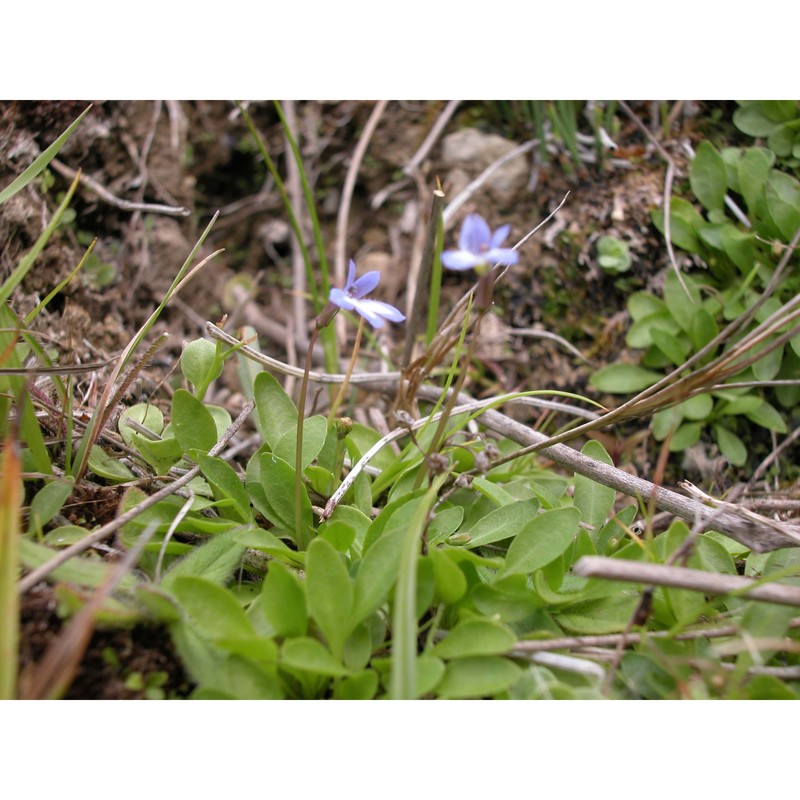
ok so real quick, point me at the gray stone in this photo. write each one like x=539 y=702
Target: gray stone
x=473 y=150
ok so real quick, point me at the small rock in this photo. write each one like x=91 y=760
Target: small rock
x=474 y=150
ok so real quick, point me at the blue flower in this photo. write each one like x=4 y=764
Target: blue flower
x=479 y=247
x=351 y=298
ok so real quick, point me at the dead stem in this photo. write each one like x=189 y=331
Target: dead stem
x=685 y=578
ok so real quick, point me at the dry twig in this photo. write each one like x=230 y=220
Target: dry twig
x=696 y=580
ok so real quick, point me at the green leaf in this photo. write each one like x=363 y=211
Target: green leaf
x=266 y=542
x=732 y=156
x=361 y=686
x=783 y=137
x=605 y=615
x=739 y=246
x=687 y=435
x=503 y=522
x=310 y=655
x=779 y=110
x=623 y=378
x=510 y=599
x=444 y=523
x=255 y=648
x=64 y=535
x=646 y=331
x=541 y=541
x=768 y=367
x=315 y=430
x=593 y=500
x=394 y=515
x=644 y=304
x=613 y=254
x=646 y=677
x=482 y=676
x=702 y=329
x=767 y=687
x=192 y=423
x=215 y=612
x=769 y=620
x=698 y=407
x=274 y=495
x=329 y=593
x=214 y=560
x=108 y=467
x=337 y=533
x=672 y=347
x=683 y=307
x=768 y=416
x=200 y=364
x=708 y=177
x=497 y=494
x=377 y=573
x=353 y=519
x=783 y=202
x=451 y=584
x=752 y=120
x=283 y=601
x=79 y=571
x=225 y=483
x=684 y=224
x=740 y=405
x=754 y=169
x=713 y=555
x=48 y=501
x=429 y=672
x=276 y=411
x=161 y=454
x=475 y=637
x=614 y=531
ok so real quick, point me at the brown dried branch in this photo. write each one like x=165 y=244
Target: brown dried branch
x=685 y=578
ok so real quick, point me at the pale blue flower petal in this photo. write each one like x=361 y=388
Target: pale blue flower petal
x=475 y=234
x=365 y=284
x=375 y=312
x=461 y=259
x=351 y=275
x=502 y=255
x=340 y=298
x=499 y=236
x=368 y=314
x=384 y=309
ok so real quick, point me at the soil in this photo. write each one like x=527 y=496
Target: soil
x=200 y=156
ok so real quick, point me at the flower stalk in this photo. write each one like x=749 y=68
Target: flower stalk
x=351 y=298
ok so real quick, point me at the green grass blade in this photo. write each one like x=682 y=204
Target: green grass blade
x=35 y=313
x=287 y=204
x=10 y=502
x=309 y=197
x=436 y=281
x=27 y=261
x=327 y=334
x=41 y=162
x=403 y=684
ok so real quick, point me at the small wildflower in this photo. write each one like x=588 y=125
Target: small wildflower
x=351 y=298
x=479 y=247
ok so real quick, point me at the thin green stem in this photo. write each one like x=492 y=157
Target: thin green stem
x=340 y=396
x=299 y=533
